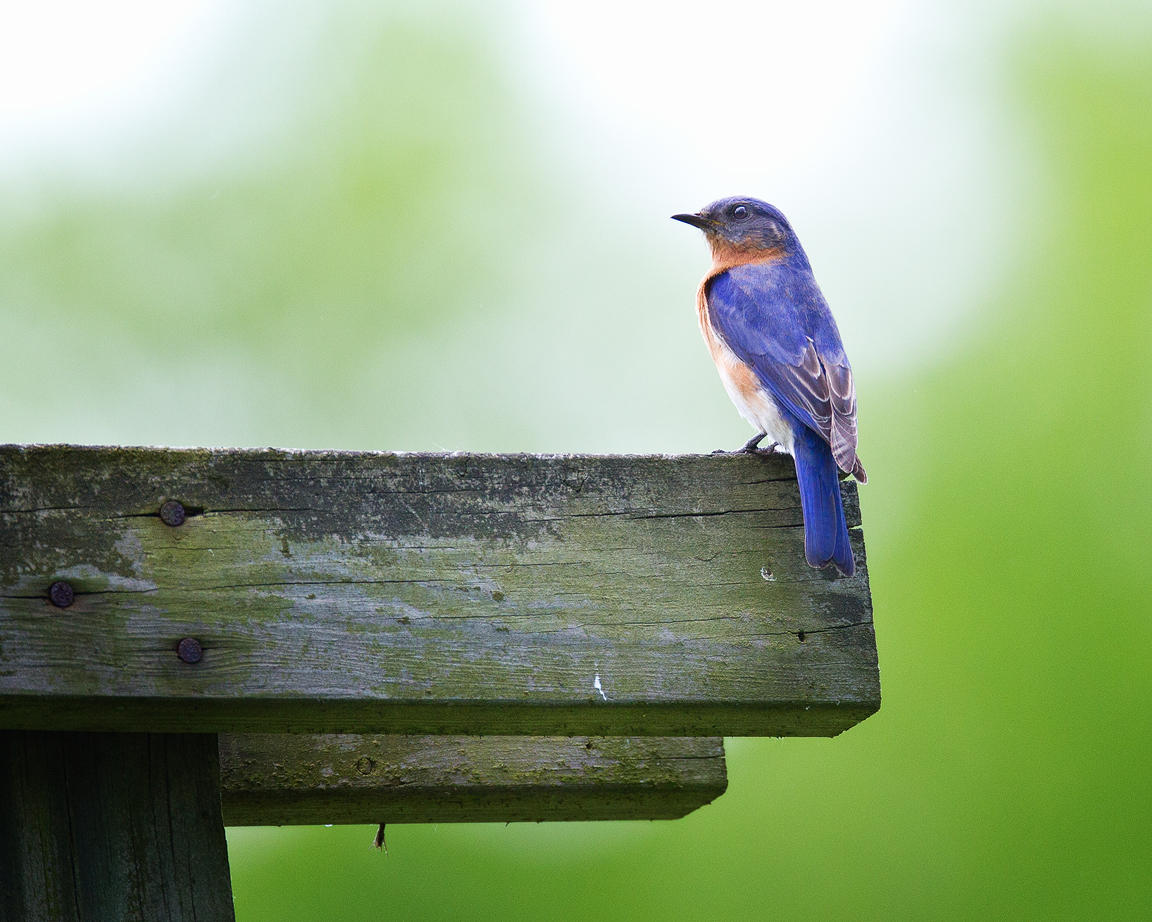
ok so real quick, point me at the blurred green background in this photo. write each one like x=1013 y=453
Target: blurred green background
x=444 y=226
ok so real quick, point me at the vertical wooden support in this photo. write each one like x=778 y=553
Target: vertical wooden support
x=125 y=826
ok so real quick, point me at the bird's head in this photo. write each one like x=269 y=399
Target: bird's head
x=743 y=225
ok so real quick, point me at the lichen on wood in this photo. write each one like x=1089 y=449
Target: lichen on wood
x=423 y=593
x=291 y=779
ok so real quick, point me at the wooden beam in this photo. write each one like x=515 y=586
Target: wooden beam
x=111 y=826
x=271 y=779
x=356 y=592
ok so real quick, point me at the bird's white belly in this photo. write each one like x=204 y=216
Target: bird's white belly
x=754 y=403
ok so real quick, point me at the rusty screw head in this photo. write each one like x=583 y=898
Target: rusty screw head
x=189 y=650
x=61 y=593
x=172 y=513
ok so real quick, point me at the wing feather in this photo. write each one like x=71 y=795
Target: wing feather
x=775 y=319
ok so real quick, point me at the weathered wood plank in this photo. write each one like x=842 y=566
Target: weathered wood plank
x=111 y=826
x=293 y=779
x=355 y=592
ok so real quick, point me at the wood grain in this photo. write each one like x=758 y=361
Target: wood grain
x=412 y=593
x=111 y=826
x=292 y=779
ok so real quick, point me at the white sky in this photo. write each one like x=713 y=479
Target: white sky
x=74 y=74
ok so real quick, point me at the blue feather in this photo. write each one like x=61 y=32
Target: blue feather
x=773 y=317
x=825 y=528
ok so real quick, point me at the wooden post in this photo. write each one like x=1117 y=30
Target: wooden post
x=121 y=826
x=603 y=609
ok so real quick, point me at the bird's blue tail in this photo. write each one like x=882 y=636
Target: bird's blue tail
x=825 y=529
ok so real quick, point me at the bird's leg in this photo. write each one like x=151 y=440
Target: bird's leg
x=750 y=447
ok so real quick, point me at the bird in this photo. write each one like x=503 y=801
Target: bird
x=779 y=354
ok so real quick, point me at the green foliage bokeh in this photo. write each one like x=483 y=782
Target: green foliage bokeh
x=399 y=262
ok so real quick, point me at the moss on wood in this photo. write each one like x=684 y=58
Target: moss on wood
x=274 y=779
x=362 y=592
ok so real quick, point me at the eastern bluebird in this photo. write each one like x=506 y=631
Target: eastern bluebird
x=779 y=354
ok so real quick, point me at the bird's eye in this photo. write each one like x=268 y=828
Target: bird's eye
x=739 y=212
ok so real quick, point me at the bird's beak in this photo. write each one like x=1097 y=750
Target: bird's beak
x=696 y=220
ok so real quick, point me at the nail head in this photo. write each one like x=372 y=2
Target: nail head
x=189 y=650
x=172 y=513
x=61 y=594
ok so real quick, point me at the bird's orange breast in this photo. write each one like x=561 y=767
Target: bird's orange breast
x=739 y=379
x=725 y=256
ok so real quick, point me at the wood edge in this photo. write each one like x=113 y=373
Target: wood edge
x=330 y=779
x=111 y=714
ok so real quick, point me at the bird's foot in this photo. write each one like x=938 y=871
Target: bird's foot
x=751 y=447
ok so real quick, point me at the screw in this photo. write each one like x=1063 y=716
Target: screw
x=172 y=513
x=61 y=593
x=189 y=650
x=365 y=765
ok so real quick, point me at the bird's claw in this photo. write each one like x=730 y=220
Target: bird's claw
x=751 y=447
x=759 y=450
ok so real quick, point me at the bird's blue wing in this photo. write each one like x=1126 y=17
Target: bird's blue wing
x=774 y=318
